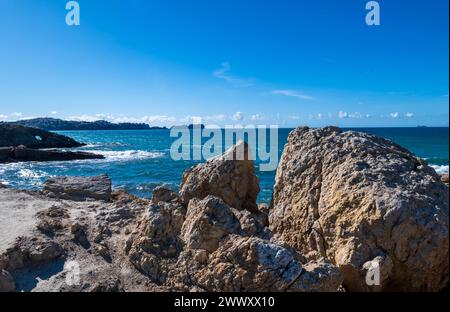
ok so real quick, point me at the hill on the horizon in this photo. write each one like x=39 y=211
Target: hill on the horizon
x=53 y=124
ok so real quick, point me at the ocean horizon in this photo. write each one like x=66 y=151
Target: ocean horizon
x=139 y=160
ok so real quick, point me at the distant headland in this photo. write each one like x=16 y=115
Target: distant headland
x=53 y=124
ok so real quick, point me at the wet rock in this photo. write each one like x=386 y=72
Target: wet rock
x=230 y=177
x=7 y=283
x=351 y=197
x=22 y=153
x=79 y=188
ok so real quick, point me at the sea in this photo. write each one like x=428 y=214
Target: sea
x=137 y=161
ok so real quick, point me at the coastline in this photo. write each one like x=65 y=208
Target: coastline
x=176 y=241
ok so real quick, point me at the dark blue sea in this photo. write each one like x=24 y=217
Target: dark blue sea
x=138 y=161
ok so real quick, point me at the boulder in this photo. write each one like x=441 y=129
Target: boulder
x=30 y=251
x=156 y=238
x=15 y=135
x=249 y=264
x=207 y=222
x=230 y=177
x=163 y=194
x=79 y=188
x=7 y=283
x=318 y=276
x=355 y=198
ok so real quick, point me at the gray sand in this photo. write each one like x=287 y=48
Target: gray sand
x=17 y=214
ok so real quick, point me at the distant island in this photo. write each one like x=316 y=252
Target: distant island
x=53 y=124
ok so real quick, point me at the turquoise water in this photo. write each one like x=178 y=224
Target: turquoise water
x=138 y=161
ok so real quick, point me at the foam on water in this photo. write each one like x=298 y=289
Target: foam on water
x=127 y=155
x=441 y=169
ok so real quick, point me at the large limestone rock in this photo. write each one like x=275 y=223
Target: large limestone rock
x=79 y=188
x=207 y=222
x=357 y=199
x=250 y=264
x=230 y=177
x=30 y=251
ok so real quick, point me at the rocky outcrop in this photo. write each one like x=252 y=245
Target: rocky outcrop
x=363 y=202
x=163 y=194
x=22 y=153
x=29 y=252
x=230 y=177
x=15 y=135
x=207 y=222
x=79 y=188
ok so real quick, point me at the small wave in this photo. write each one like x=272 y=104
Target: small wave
x=32 y=174
x=127 y=155
x=440 y=169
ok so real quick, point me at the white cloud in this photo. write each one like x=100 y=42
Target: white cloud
x=238 y=116
x=256 y=117
x=3 y=117
x=294 y=117
x=355 y=115
x=409 y=115
x=215 y=118
x=191 y=120
x=394 y=115
x=293 y=93
x=54 y=113
x=155 y=119
x=17 y=114
x=88 y=118
x=224 y=73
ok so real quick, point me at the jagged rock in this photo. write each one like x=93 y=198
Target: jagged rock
x=207 y=222
x=51 y=220
x=156 y=237
x=249 y=264
x=7 y=283
x=79 y=235
x=15 y=135
x=79 y=188
x=163 y=194
x=230 y=177
x=352 y=197
x=318 y=276
x=27 y=251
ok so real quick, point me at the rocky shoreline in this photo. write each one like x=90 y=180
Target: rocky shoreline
x=343 y=202
x=19 y=143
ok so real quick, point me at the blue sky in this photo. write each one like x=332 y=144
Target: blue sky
x=228 y=61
